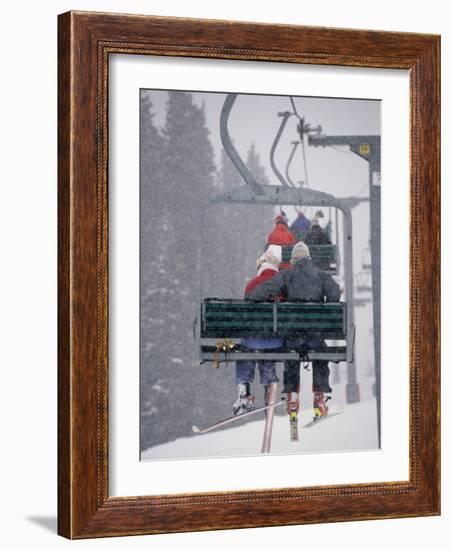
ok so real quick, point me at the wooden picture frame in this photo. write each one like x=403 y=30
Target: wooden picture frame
x=85 y=508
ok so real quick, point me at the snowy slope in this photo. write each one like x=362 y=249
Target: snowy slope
x=354 y=429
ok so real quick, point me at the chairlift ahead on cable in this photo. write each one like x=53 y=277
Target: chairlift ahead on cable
x=366 y=259
x=364 y=282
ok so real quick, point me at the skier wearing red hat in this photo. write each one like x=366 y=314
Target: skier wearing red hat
x=281 y=236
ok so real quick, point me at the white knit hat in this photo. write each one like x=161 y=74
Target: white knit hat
x=299 y=251
x=270 y=259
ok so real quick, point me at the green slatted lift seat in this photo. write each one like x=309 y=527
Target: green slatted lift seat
x=235 y=319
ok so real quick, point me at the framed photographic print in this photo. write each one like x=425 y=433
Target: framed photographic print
x=248 y=275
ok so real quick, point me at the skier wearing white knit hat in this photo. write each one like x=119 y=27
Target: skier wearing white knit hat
x=267 y=267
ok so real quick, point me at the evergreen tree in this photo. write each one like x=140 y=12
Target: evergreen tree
x=190 y=169
x=152 y=145
x=223 y=224
x=259 y=220
x=189 y=156
x=158 y=335
x=240 y=231
x=154 y=220
x=171 y=385
x=253 y=163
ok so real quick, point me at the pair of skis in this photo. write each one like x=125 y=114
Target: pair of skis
x=269 y=419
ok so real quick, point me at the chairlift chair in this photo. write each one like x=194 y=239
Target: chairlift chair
x=366 y=262
x=364 y=282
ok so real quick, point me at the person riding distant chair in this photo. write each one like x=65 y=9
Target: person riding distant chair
x=303 y=283
x=317 y=235
x=300 y=226
x=281 y=236
x=267 y=266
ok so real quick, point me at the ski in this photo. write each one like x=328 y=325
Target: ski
x=234 y=418
x=292 y=409
x=293 y=426
x=270 y=399
x=316 y=421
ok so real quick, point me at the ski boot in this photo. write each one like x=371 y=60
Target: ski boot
x=244 y=402
x=320 y=406
x=293 y=405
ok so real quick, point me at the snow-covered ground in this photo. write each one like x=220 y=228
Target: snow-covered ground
x=354 y=429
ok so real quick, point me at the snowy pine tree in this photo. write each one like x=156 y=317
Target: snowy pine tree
x=156 y=292
x=223 y=223
x=171 y=240
x=259 y=220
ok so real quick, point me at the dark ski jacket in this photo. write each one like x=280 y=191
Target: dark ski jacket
x=316 y=236
x=303 y=283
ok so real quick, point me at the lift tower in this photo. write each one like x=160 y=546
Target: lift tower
x=369 y=149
